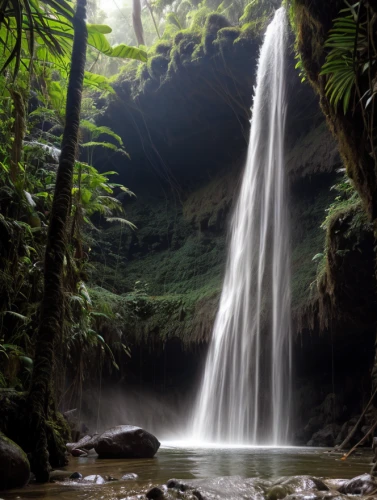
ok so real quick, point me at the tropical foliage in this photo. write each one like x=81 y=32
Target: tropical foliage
x=37 y=40
x=352 y=56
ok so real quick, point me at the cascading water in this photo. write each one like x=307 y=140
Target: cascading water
x=245 y=392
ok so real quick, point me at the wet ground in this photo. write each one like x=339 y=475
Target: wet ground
x=178 y=461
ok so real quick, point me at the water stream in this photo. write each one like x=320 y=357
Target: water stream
x=245 y=391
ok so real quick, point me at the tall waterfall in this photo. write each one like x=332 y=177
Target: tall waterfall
x=245 y=393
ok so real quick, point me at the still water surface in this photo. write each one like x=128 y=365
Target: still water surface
x=177 y=461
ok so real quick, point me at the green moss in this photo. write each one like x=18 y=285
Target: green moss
x=213 y=24
x=225 y=39
x=157 y=66
x=185 y=44
x=162 y=47
x=198 y=19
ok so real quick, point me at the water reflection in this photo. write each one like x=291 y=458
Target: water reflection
x=189 y=463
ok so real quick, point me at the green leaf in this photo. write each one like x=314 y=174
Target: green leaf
x=122 y=221
x=99 y=28
x=127 y=52
x=98 y=82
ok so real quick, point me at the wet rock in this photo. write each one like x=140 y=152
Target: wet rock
x=79 y=453
x=304 y=483
x=92 y=443
x=198 y=495
x=316 y=495
x=95 y=479
x=155 y=493
x=277 y=492
x=80 y=444
x=127 y=441
x=14 y=465
x=111 y=478
x=360 y=485
x=335 y=484
x=75 y=475
x=292 y=485
x=129 y=477
x=172 y=483
x=230 y=487
x=60 y=475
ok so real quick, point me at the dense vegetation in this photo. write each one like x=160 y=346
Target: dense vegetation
x=74 y=257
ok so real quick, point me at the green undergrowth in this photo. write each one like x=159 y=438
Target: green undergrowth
x=311 y=214
x=164 y=278
x=342 y=283
x=155 y=319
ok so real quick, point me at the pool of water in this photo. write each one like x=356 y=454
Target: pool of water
x=176 y=460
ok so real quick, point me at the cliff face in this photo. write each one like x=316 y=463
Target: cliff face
x=186 y=129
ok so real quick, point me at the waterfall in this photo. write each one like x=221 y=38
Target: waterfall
x=245 y=391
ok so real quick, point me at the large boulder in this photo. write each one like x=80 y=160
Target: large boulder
x=14 y=465
x=127 y=441
x=360 y=485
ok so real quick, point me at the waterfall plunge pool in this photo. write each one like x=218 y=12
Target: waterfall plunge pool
x=186 y=461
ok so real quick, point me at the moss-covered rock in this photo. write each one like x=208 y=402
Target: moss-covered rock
x=214 y=23
x=14 y=465
x=225 y=39
x=157 y=66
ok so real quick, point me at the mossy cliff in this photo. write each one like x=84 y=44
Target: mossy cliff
x=184 y=119
x=186 y=132
x=186 y=129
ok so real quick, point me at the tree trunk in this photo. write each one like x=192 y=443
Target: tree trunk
x=52 y=308
x=19 y=133
x=137 y=23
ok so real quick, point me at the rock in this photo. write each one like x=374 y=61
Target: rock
x=91 y=444
x=198 y=495
x=277 y=492
x=316 y=495
x=75 y=475
x=360 y=485
x=60 y=475
x=292 y=485
x=111 y=478
x=80 y=444
x=129 y=477
x=79 y=453
x=304 y=483
x=127 y=441
x=14 y=465
x=72 y=418
x=228 y=487
x=325 y=437
x=95 y=479
x=335 y=484
x=314 y=424
x=155 y=493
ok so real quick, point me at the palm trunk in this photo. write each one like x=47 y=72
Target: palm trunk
x=19 y=133
x=52 y=309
